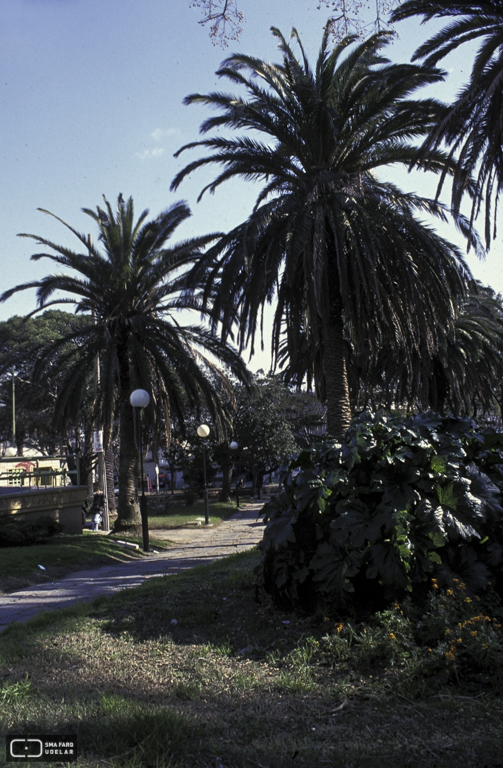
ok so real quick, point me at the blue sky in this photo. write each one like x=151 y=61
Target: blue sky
x=91 y=98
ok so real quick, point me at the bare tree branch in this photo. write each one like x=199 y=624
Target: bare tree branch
x=224 y=18
x=349 y=17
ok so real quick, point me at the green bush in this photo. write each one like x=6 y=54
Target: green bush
x=15 y=532
x=363 y=522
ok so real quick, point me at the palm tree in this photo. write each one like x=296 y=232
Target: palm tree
x=474 y=124
x=133 y=285
x=335 y=246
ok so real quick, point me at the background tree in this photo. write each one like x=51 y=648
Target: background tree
x=340 y=250
x=473 y=127
x=262 y=431
x=132 y=286
x=23 y=341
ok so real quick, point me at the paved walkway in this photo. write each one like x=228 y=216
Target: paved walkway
x=193 y=546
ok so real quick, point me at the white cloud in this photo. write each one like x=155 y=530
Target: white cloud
x=158 y=135
x=163 y=133
x=146 y=154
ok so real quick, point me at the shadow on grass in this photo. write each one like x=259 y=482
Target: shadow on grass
x=126 y=732
x=164 y=605
x=269 y=730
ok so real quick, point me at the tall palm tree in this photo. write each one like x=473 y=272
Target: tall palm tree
x=133 y=284
x=473 y=127
x=335 y=246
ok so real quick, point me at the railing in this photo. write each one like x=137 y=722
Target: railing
x=29 y=472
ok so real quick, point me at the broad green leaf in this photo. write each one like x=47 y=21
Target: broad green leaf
x=332 y=568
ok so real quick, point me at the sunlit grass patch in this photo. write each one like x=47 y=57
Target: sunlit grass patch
x=162 y=516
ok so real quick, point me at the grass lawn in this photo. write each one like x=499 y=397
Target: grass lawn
x=199 y=671
x=179 y=514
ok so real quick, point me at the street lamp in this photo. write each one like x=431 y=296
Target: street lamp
x=234 y=446
x=140 y=398
x=203 y=431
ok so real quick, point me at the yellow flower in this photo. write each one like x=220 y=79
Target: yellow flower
x=450 y=592
x=468 y=600
x=459 y=640
x=339 y=628
x=474 y=633
x=449 y=656
x=391 y=636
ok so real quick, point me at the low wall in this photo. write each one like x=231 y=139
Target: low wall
x=63 y=504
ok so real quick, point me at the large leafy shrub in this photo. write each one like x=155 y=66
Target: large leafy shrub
x=400 y=500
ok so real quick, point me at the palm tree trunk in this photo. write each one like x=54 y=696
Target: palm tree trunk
x=336 y=377
x=225 y=494
x=109 y=464
x=88 y=463
x=128 y=509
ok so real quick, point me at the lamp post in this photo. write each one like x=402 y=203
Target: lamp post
x=203 y=431
x=140 y=398
x=234 y=446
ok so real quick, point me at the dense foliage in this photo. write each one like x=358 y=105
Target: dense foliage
x=16 y=532
x=398 y=502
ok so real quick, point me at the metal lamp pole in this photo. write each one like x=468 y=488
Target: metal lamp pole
x=203 y=431
x=140 y=398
